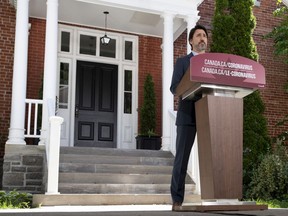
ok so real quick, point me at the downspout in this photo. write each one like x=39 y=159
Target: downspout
x=13 y=3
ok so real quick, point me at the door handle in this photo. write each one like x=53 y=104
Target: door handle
x=76 y=110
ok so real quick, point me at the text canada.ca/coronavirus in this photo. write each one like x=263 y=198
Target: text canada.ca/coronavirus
x=230 y=65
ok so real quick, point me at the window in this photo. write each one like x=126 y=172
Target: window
x=108 y=50
x=87 y=45
x=64 y=85
x=128 y=91
x=65 y=41
x=128 y=50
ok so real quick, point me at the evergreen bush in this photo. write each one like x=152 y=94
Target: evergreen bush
x=148 y=109
x=270 y=179
x=256 y=142
x=233 y=26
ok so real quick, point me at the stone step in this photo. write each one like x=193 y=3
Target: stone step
x=104 y=159
x=70 y=188
x=107 y=199
x=100 y=176
x=114 y=168
x=111 y=178
x=115 y=152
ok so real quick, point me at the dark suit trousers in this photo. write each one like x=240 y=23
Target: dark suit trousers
x=184 y=142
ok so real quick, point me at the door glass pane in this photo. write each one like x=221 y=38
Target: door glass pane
x=128 y=50
x=65 y=41
x=64 y=73
x=128 y=91
x=64 y=85
x=108 y=50
x=87 y=45
x=128 y=80
x=127 y=102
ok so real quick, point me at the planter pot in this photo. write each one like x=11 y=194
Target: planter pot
x=146 y=142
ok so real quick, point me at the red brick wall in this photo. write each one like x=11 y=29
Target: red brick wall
x=150 y=61
x=7 y=32
x=35 y=57
x=180 y=49
x=273 y=95
x=150 y=54
x=275 y=99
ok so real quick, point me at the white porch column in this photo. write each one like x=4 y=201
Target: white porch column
x=17 y=121
x=191 y=22
x=50 y=64
x=193 y=165
x=167 y=71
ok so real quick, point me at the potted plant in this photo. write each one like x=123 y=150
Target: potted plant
x=147 y=138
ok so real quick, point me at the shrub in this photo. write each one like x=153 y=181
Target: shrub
x=238 y=40
x=270 y=179
x=148 y=109
x=283 y=135
x=256 y=142
x=15 y=199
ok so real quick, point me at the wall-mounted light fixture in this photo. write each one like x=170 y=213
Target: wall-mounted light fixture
x=13 y=3
x=105 y=39
x=257 y=3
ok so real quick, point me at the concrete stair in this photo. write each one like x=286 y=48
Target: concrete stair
x=100 y=176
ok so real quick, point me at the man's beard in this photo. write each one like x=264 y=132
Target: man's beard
x=201 y=46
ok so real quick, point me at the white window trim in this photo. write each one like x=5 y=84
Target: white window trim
x=119 y=60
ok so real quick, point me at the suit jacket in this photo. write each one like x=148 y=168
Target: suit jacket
x=186 y=108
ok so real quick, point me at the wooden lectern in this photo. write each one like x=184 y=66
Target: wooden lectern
x=222 y=80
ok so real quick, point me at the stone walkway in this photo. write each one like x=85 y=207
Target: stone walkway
x=129 y=210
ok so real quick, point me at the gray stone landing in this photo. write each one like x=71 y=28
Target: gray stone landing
x=99 y=176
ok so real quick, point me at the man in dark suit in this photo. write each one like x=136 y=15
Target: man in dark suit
x=186 y=120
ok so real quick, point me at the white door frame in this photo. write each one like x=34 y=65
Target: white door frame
x=126 y=123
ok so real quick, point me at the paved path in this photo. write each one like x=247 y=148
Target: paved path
x=131 y=210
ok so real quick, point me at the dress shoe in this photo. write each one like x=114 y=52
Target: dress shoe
x=176 y=206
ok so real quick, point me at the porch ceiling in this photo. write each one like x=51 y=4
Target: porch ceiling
x=142 y=19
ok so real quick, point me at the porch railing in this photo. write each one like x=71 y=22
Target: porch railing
x=33 y=111
x=173 y=133
x=193 y=164
x=52 y=143
x=53 y=149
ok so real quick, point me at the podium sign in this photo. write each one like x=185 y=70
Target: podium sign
x=220 y=71
x=227 y=69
